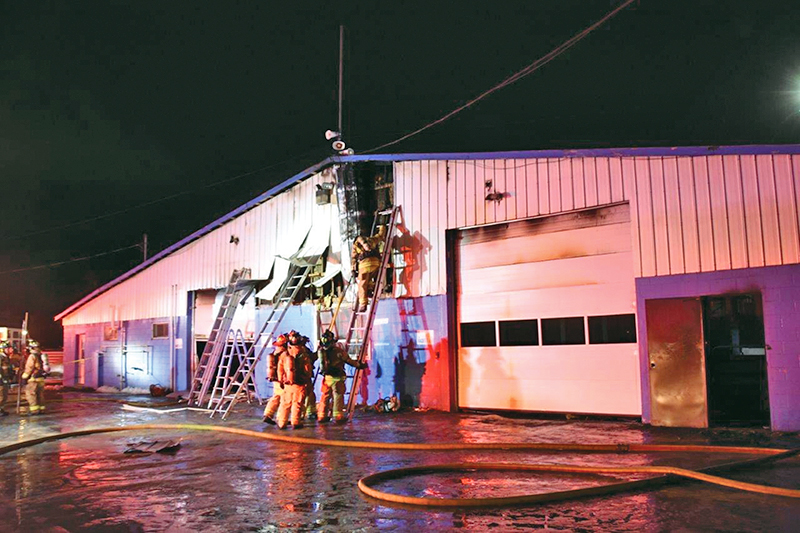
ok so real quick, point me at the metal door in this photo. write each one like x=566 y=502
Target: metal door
x=139 y=367
x=80 y=352
x=677 y=362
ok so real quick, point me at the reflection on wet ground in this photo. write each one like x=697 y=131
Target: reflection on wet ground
x=220 y=482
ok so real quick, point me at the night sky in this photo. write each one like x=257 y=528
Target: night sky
x=107 y=105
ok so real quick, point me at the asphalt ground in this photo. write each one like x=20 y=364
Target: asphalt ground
x=223 y=482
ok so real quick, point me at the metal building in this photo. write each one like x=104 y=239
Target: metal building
x=660 y=283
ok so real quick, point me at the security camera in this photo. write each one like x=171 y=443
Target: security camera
x=338 y=145
x=330 y=134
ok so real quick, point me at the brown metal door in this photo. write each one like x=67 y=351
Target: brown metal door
x=677 y=362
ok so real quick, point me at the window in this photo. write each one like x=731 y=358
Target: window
x=161 y=330
x=519 y=333
x=557 y=331
x=478 y=334
x=612 y=329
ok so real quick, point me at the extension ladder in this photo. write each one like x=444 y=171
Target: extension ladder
x=357 y=340
x=235 y=349
x=206 y=369
x=242 y=378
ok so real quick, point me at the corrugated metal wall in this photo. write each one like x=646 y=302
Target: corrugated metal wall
x=207 y=262
x=689 y=214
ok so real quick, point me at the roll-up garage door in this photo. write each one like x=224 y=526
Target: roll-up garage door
x=546 y=314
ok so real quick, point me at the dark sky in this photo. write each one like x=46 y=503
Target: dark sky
x=106 y=105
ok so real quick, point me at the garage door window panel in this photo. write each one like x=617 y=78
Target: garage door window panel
x=563 y=331
x=478 y=334
x=612 y=329
x=519 y=333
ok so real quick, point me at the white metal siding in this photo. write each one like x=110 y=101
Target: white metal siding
x=208 y=262
x=689 y=214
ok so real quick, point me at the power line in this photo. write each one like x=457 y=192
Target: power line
x=59 y=263
x=533 y=67
x=153 y=202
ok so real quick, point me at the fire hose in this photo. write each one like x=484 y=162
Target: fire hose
x=665 y=473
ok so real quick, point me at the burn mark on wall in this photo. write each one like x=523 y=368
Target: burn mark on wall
x=584 y=218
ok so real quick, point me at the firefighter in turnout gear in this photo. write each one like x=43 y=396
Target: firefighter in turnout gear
x=272 y=374
x=295 y=372
x=332 y=358
x=311 y=398
x=366 y=261
x=36 y=368
x=7 y=374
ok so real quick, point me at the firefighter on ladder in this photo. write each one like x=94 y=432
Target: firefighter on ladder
x=366 y=261
x=7 y=374
x=36 y=368
x=272 y=374
x=332 y=358
x=295 y=372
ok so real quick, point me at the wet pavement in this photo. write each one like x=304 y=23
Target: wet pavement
x=222 y=482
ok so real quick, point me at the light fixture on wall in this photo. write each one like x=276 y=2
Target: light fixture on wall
x=492 y=195
x=234 y=239
x=324 y=193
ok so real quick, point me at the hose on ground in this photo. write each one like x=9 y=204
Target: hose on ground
x=664 y=473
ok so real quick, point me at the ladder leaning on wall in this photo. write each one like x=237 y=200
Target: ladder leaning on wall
x=235 y=292
x=357 y=339
x=239 y=385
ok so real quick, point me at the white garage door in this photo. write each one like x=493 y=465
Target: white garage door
x=546 y=312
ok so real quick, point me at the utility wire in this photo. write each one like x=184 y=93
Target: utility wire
x=153 y=202
x=533 y=67
x=71 y=260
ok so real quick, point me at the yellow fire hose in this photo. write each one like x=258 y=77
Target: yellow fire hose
x=666 y=473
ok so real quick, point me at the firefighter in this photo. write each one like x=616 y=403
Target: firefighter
x=366 y=261
x=36 y=368
x=295 y=373
x=332 y=358
x=272 y=374
x=6 y=374
x=311 y=397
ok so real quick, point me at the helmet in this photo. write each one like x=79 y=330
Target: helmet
x=4 y=345
x=281 y=340
x=296 y=339
x=327 y=339
x=33 y=345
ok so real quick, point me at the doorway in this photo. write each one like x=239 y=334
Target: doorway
x=80 y=353
x=736 y=363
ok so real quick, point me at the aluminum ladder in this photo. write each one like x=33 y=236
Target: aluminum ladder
x=240 y=383
x=236 y=347
x=357 y=340
x=207 y=367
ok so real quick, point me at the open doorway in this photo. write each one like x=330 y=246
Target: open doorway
x=736 y=366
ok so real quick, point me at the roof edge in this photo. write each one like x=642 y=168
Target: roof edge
x=744 y=149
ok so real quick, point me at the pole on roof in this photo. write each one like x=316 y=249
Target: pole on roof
x=144 y=247
x=341 y=74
